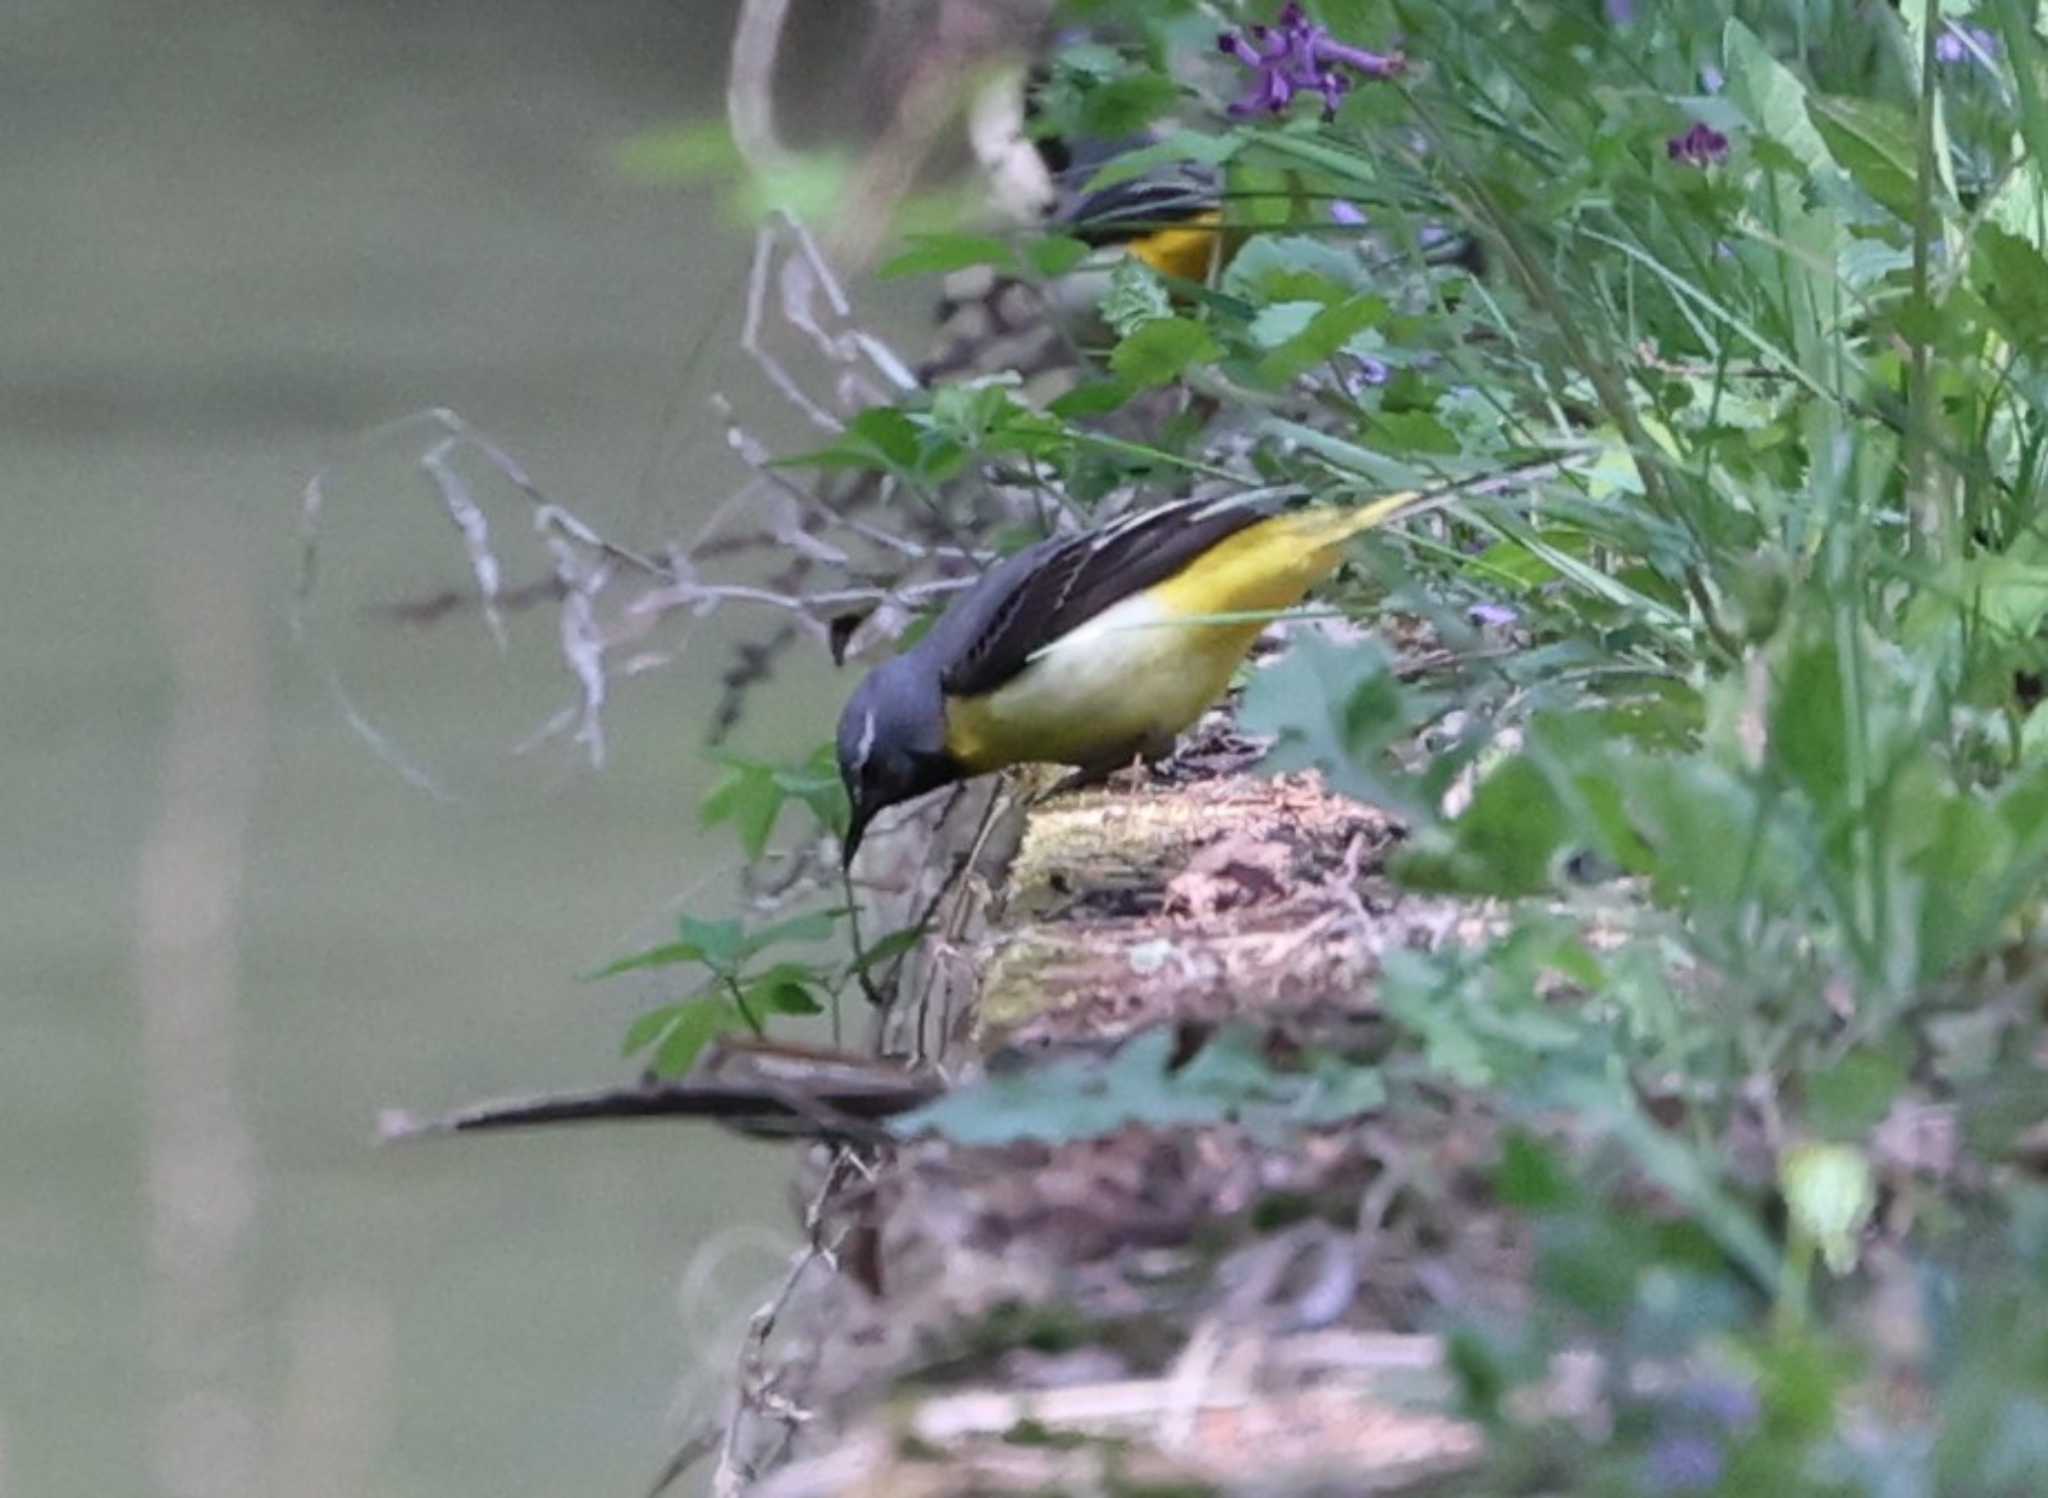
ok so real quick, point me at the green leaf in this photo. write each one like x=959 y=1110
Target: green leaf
x=1109 y=109
x=1261 y=196
x=1157 y=352
x=673 y=154
x=1772 y=96
x=650 y=1028
x=1176 y=149
x=1326 y=334
x=785 y=989
x=1809 y=731
x=817 y=925
x=1077 y=1097
x=2011 y=275
x=696 y=1024
x=1056 y=254
x=881 y=437
x=1296 y=267
x=1508 y=842
x=749 y=798
x=1326 y=704
x=1278 y=322
x=1850 y=1098
x=1091 y=399
x=1874 y=143
x=942 y=254
x=1531 y=1177
x=719 y=942
x=1135 y=297
x=668 y=955
x=1413 y=432
x=886 y=949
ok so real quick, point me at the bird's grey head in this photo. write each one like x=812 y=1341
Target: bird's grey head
x=892 y=741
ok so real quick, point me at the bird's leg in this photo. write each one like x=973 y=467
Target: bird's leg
x=1128 y=759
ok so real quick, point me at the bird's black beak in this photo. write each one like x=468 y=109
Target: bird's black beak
x=856 y=827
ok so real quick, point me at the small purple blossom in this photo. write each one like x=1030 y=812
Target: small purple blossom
x=1725 y=1402
x=1296 y=56
x=1701 y=146
x=1361 y=372
x=1343 y=211
x=1684 y=1464
x=1492 y=615
x=1960 y=43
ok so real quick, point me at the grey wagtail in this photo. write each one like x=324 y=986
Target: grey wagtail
x=1093 y=648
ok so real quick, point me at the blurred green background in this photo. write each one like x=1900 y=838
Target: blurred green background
x=237 y=234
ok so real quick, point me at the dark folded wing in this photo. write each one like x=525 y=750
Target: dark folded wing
x=1039 y=595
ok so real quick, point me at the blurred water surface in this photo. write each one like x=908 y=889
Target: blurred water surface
x=235 y=234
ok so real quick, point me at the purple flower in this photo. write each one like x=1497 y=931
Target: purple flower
x=1360 y=372
x=1700 y=146
x=1345 y=212
x=1684 y=1464
x=1960 y=43
x=1496 y=615
x=1721 y=1401
x=1296 y=56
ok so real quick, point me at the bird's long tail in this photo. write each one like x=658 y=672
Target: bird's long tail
x=1332 y=525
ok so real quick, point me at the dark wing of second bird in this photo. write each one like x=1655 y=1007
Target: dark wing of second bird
x=1031 y=599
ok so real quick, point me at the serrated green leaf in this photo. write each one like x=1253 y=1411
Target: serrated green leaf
x=1325 y=334
x=1161 y=350
x=1277 y=322
x=1135 y=297
x=1772 y=96
x=1288 y=267
x=1508 y=842
x=1335 y=708
x=881 y=437
x=2011 y=275
x=1874 y=143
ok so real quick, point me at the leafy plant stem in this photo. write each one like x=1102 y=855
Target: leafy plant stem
x=1921 y=501
x=739 y=1002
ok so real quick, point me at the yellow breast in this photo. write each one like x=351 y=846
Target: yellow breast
x=1186 y=250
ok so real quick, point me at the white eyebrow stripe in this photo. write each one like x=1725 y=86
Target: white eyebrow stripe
x=867 y=740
